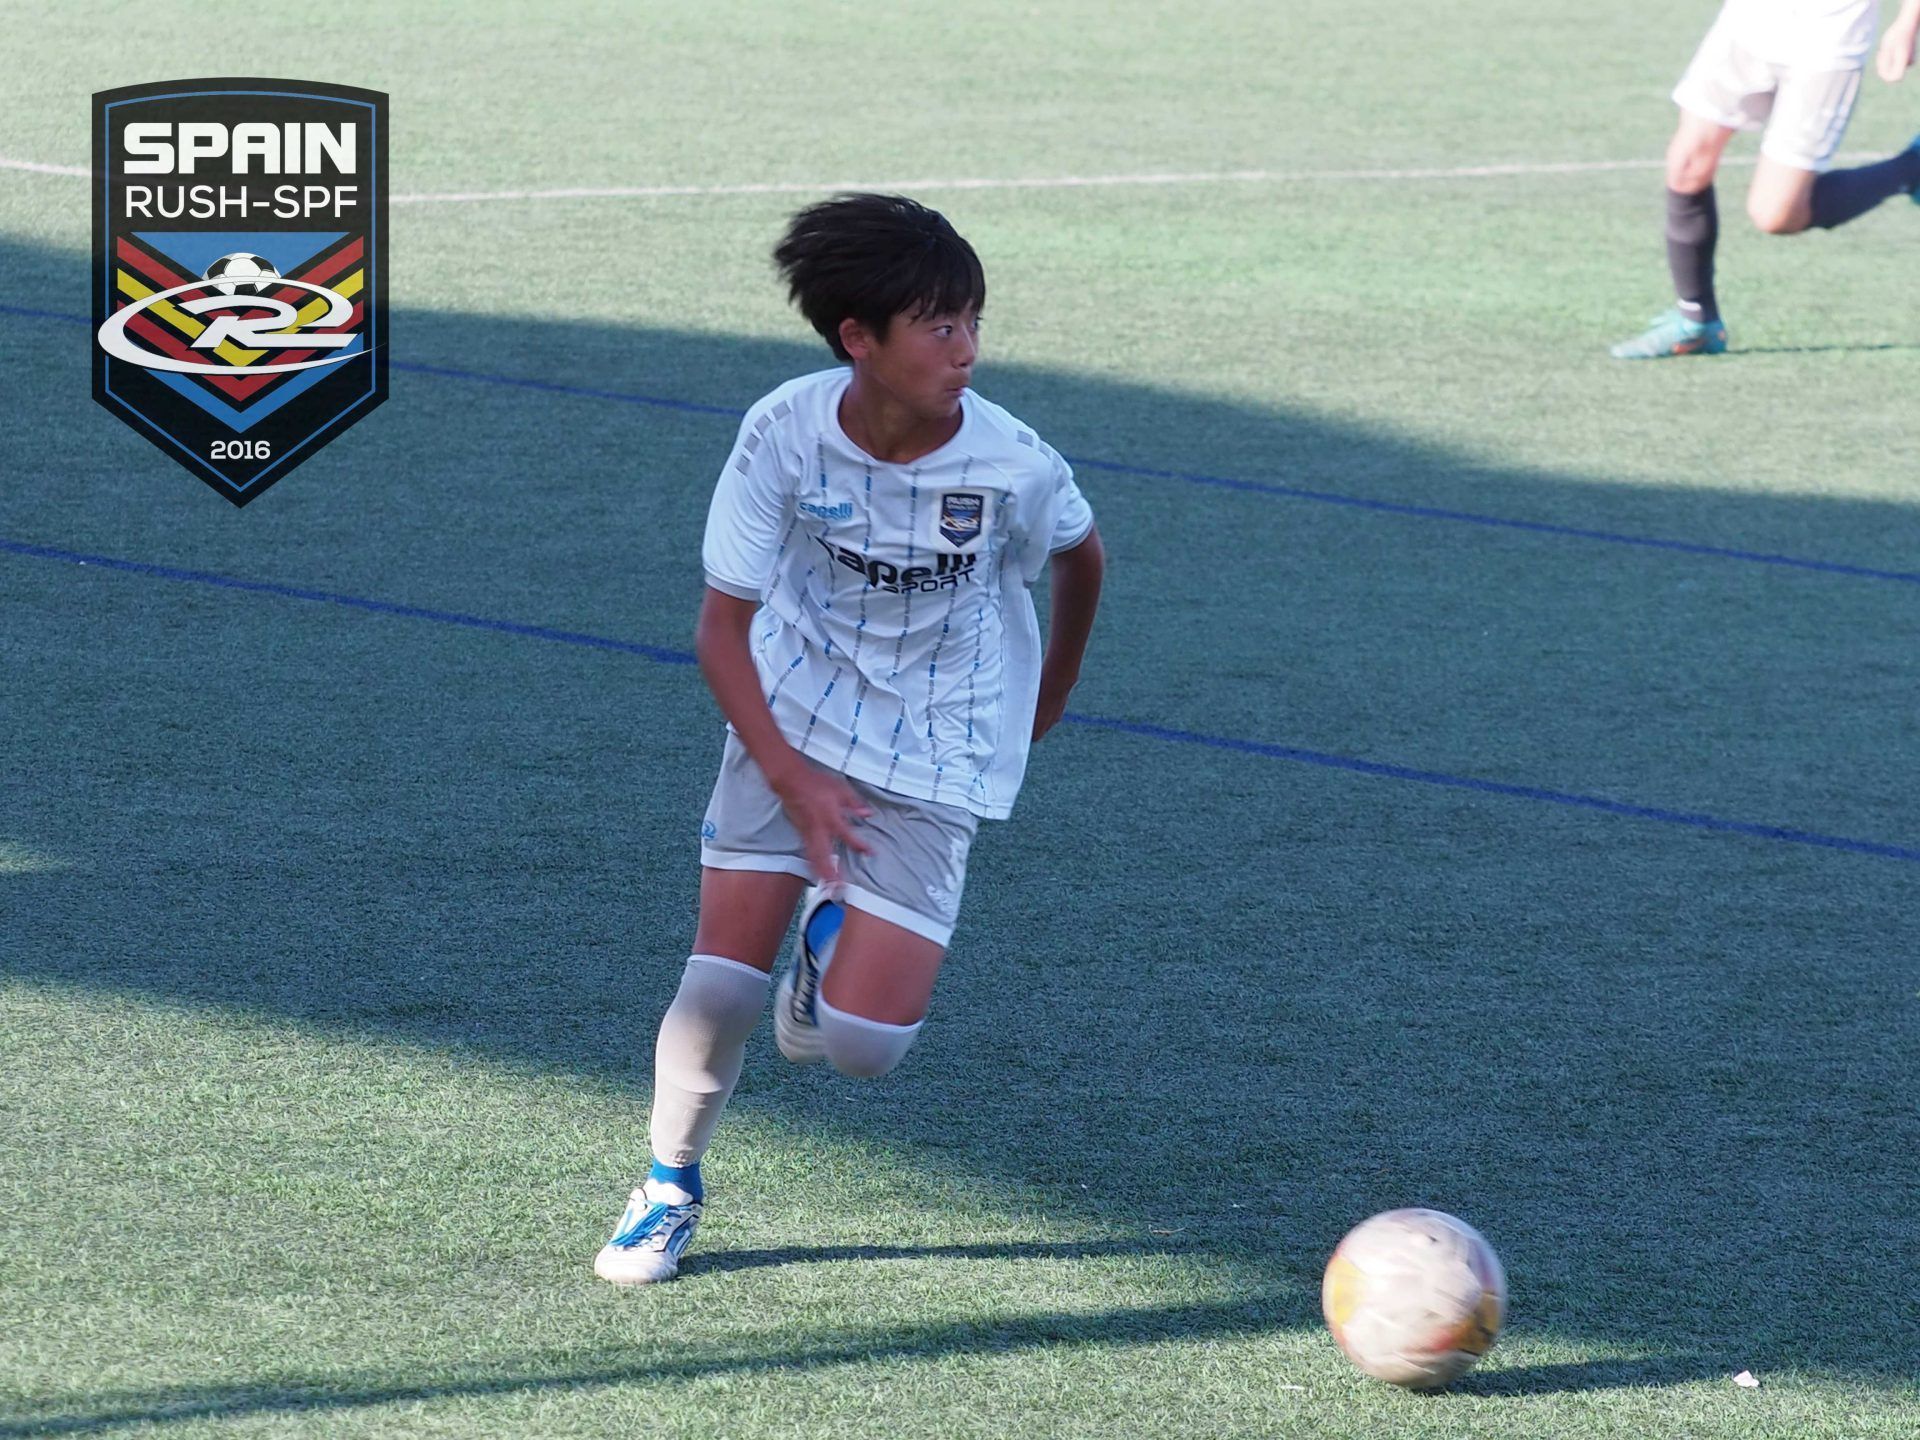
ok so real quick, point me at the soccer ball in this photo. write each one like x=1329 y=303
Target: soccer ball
x=242 y=274
x=1414 y=1297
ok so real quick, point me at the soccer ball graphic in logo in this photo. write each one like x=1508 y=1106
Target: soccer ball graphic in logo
x=242 y=275
x=1414 y=1297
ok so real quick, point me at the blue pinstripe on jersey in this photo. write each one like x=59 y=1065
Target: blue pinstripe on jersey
x=866 y=553
x=853 y=726
x=814 y=718
x=906 y=605
x=785 y=676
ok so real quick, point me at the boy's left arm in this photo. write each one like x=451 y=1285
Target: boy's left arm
x=1075 y=584
x=1896 y=46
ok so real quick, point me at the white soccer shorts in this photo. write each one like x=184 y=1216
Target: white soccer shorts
x=1803 y=113
x=913 y=877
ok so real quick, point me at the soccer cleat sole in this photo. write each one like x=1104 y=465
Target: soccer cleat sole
x=1685 y=347
x=628 y=1268
x=1711 y=343
x=799 y=1041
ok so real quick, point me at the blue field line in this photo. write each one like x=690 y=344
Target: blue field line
x=1127 y=727
x=352 y=602
x=1537 y=527
x=26 y=313
x=577 y=391
x=1221 y=482
x=1495 y=787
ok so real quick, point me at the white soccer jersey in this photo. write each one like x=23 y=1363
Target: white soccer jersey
x=896 y=639
x=1805 y=34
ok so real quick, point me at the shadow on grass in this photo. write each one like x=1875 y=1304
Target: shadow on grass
x=721 y=1262
x=1735 y=353
x=1638 y=1373
x=1118 y=1327
x=1143 y=1325
x=1639 y=1057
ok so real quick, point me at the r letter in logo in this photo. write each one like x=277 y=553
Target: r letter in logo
x=240 y=269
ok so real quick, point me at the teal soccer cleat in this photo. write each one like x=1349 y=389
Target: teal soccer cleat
x=1674 y=334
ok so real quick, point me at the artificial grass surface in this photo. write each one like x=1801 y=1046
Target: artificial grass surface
x=334 y=938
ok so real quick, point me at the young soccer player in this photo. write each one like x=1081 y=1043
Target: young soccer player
x=1790 y=68
x=868 y=632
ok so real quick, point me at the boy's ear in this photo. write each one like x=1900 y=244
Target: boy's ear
x=855 y=338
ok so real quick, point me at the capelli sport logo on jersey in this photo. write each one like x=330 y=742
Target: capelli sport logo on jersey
x=240 y=269
x=946 y=572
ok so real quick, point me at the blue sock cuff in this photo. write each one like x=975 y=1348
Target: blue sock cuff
x=687 y=1177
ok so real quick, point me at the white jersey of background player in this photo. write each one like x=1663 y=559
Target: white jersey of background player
x=1789 y=68
x=869 y=634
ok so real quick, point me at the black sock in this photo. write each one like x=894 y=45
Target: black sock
x=1693 y=225
x=1843 y=195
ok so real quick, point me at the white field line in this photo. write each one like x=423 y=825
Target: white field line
x=1048 y=182
x=37 y=168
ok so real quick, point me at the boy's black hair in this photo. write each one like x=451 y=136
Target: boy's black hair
x=872 y=257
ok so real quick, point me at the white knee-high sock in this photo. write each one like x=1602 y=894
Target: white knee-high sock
x=697 y=1059
x=862 y=1048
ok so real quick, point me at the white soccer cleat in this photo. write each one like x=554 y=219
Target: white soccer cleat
x=796 y=1027
x=652 y=1236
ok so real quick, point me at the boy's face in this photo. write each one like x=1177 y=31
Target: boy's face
x=925 y=361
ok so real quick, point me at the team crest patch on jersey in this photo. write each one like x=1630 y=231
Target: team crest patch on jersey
x=961 y=512
x=239 y=269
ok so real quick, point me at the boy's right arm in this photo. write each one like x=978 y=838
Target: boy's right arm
x=1896 y=46
x=822 y=805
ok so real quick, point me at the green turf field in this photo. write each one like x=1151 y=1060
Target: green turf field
x=333 y=933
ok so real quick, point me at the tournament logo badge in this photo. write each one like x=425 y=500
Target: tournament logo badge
x=960 y=513
x=240 y=269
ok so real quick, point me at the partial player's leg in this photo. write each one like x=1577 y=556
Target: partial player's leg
x=697 y=1060
x=1809 y=116
x=858 y=988
x=1843 y=195
x=874 y=998
x=1794 y=189
x=751 y=877
x=1693 y=326
x=744 y=915
x=866 y=958
x=1780 y=200
x=1724 y=89
x=1693 y=216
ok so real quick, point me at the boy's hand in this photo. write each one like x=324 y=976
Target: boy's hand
x=1052 y=704
x=824 y=808
x=1896 y=52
